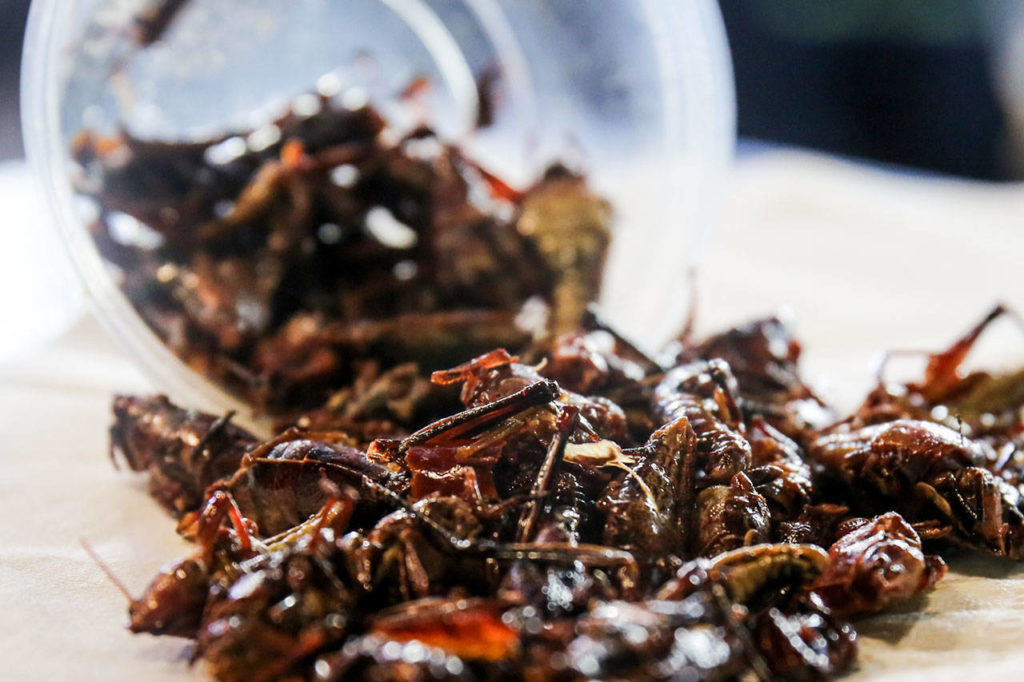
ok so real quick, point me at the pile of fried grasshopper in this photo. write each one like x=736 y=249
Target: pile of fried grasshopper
x=588 y=512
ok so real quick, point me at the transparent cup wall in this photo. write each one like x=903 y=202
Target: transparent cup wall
x=636 y=92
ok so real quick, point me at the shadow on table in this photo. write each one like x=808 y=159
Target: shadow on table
x=893 y=625
x=981 y=566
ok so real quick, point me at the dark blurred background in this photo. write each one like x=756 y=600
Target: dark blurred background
x=12 y=30
x=932 y=85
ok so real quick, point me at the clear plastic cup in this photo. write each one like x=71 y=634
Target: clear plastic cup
x=636 y=92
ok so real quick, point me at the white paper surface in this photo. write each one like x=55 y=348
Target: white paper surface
x=866 y=260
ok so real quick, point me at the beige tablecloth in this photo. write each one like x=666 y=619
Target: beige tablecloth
x=865 y=260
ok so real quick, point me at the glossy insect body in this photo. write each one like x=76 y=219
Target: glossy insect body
x=703 y=393
x=764 y=357
x=779 y=471
x=876 y=564
x=729 y=516
x=930 y=473
x=801 y=639
x=698 y=627
x=647 y=509
x=497 y=375
x=184 y=451
x=984 y=406
x=282 y=483
x=173 y=603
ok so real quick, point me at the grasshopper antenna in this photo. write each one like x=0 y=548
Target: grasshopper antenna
x=102 y=565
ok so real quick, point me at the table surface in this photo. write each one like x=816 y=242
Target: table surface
x=865 y=259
